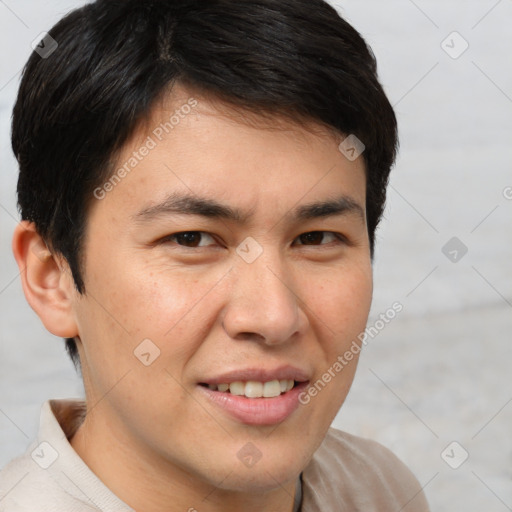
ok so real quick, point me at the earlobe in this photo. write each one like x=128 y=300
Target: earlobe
x=46 y=280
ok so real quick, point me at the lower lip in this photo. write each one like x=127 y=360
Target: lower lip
x=257 y=411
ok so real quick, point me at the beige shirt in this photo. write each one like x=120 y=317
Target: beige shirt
x=346 y=474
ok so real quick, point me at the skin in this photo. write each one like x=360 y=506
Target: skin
x=149 y=434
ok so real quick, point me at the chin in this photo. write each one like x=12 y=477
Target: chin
x=258 y=480
x=261 y=473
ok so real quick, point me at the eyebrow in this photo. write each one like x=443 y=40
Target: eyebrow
x=189 y=204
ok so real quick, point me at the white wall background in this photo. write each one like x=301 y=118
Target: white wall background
x=438 y=373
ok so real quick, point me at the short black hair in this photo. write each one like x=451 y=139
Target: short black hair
x=78 y=105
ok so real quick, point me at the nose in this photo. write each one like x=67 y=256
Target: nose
x=263 y=305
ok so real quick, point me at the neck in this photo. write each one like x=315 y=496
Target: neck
x=147 y=482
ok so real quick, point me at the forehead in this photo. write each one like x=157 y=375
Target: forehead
x=201 y=146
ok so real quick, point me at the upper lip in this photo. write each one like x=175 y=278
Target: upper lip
x=286 y=372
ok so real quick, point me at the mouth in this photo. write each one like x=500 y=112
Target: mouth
x=254 y=389
x=255 y=396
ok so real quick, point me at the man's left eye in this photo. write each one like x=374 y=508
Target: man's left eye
x=316 y=237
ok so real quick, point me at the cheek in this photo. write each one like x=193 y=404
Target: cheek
x=133 y=301
x=160 y=313
x=342 y=302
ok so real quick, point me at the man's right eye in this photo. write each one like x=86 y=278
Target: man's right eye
x=189 y=239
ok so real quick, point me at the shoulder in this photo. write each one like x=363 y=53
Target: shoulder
x=359 y=474
x=361 y=454
x=27 y=487
x=51 y=475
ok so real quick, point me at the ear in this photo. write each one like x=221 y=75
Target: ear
x=46 y=280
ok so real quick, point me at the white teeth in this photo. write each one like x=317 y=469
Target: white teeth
x=237 y=388
x=254 y=389
x=271 y=389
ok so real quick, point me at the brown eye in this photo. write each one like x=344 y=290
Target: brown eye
x=189 y=238
x=316 y=237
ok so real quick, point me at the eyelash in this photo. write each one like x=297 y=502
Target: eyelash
x=341 y=239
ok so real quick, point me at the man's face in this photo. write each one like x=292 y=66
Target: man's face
x=277 y=296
